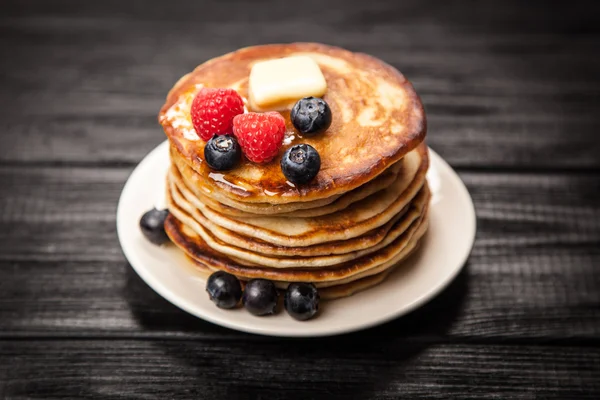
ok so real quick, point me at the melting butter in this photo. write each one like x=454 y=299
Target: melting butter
x=277 y=84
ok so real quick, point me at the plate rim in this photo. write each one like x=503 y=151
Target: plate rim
x=187 y=306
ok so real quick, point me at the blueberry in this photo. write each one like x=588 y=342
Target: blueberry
x=222 y=152
x=260 y=297
x=152 y=225
x=301 y=300
x=300 y=163
x=311 y=115
x=224 y=289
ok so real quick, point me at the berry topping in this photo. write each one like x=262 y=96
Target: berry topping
x=224 y=289
x=152 y=225
x=300 y=163
x=301 y=300
x=213 y=111
x=260 y=297
x=311 y=115
x=222 y=152
x=259 y=135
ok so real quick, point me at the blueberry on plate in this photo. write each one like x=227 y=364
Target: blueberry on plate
x=260 y=297
x=222 y=152
x=311 y=115
x=300 y=163
x=152 y=225
x=224 y=289
x=301 y=300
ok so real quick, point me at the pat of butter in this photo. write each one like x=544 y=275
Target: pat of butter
x=277 y=84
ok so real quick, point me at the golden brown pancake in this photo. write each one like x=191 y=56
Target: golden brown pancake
x=190 y=180
x=365 y=241
x=337 y=291
x=355 y=220
x=359 y=285
x=188 y=215
x=377 y=119
x=196 y=248
x=350 y=288
x=347 y=229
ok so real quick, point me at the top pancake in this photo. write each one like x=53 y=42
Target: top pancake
x=377 y=119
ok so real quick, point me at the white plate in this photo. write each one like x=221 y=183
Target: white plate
x=166 y=270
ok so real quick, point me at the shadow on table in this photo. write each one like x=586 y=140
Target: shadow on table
x=157 y=315
x=355 y=364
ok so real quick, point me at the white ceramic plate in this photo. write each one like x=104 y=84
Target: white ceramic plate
x=165 y=269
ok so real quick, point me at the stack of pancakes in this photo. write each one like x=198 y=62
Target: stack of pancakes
x=346 y=230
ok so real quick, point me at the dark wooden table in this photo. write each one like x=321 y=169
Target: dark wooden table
x=511 y=89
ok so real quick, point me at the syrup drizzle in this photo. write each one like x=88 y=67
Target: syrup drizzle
x=217 y=177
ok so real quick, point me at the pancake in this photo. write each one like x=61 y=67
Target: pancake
x=189 y=180
x=359 y=285
x=345 y=231
x=337 y=291
x=368 y=265
x=353 y=221
x=350 y=288
x=186 y=213
x=364 y=139
x=367 y=240
x=197 y=182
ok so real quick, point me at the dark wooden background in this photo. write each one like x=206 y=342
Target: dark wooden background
x=511 y=89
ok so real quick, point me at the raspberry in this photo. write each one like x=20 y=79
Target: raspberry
x=259 y=134
x=213 y=111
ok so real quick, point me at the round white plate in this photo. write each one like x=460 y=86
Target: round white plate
x=166 y=270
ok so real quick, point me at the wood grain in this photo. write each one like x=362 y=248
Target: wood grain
x=511 y=91
x=346 y=367
x=532 y=272
x=105 y=74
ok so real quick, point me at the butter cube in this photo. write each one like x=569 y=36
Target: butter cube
x=277 y=84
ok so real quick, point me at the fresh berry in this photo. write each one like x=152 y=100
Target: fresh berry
x=300 y=163
x=213 y=111
x=260 y=135
x=260 y=297
x=311 y=115
x=152 y=225
x=224 y=289
x=222 y=152
x=301 y=300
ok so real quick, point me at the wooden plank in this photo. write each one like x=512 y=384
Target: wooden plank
x=532 y=273
x=345 y=367
x=506 y=299
x=515 y=211
x=60 y=213
x=509 y=87
x=106 y=71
